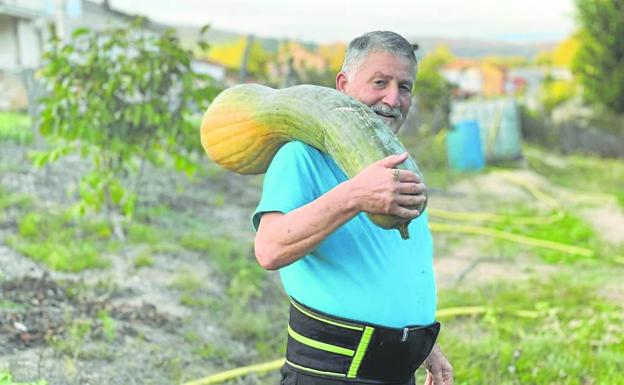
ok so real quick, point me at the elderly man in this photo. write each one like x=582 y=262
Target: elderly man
x=362 y=299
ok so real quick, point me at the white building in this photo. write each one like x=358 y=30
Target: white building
x=469 y=80
x=24 y=31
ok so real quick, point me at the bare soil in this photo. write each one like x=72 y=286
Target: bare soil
x=156 y=339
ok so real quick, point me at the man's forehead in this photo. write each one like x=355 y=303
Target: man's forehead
x=404 y=77
x=387 y=64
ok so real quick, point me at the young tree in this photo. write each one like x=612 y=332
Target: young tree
x=433 y=90
x=600 y=60
x=121 y=97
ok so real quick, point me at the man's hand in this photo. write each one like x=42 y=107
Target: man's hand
x=382 y=189
x=439 y=370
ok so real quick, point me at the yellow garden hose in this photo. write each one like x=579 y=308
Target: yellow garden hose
x=556 y=215
x=497 y=218
x=476 y=230
x=238 y=372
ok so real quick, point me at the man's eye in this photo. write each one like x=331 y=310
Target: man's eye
x=379 y=82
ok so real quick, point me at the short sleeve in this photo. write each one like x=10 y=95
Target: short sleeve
x=289 y=182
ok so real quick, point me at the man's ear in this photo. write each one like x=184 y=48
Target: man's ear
x=341 y=81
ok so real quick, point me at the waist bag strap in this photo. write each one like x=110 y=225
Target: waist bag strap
x=329 y=346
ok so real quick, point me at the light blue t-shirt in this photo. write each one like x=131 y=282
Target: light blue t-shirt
x=360 y=271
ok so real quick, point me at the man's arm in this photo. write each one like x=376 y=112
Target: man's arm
x=284 y=238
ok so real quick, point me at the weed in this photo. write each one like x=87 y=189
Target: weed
x=208 y=351
x=141 y=233
x=109 y=327
x=229 y=256
x=205 y=350
x=218 y=200
x=619 y=195
x=7 y=379
x=61 y=241
x=10 y=202
x=15 y=127
x=10 y=306
x=186 y=281
x=20 y=201
x=174 y=367
x=77 y=335
x=191 y=287
x=144 y=259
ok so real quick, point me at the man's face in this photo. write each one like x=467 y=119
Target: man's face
x=382 y=81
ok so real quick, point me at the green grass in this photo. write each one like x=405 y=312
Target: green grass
x=585 y=174
x=10 y=306
x=205 y=350
x=571 y=230
x=63 y=242
x=619 y=195
x=7 y=379
x=15 y=127
x=144 y=259
x=229 y=255
x=577 y=337
x=138 y=232
x=8 y=200
x=189 y=284
x=15 y=201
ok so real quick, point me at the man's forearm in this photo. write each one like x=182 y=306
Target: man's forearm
x=284 y=238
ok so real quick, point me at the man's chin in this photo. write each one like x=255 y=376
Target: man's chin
x=392 y=123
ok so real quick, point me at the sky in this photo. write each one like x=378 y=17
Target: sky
x=326 y=21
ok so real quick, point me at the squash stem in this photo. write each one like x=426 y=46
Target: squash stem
x=403 y=230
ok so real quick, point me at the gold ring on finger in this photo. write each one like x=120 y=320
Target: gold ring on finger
x=395 y=172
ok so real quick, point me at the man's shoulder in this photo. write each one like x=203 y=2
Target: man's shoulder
x=299 y=146
x=304 y=158
x=300 y=150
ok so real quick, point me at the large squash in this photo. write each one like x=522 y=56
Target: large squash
x=245 y=126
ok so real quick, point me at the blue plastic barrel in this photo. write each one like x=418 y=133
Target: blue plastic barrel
x=463 y=144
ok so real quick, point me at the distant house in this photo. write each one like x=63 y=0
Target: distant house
x=474 y=78
x=209 y=67
x=304 y=59
x=24 y=31
x=294 y=62
x=527 y=82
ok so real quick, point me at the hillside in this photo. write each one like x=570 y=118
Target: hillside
x=460 y=47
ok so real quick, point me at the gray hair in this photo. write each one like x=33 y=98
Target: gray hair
x=384 y=41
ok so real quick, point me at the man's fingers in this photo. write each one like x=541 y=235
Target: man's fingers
x=405 y=212
x=410 y=200
x=393 y=160
x=437 y=378
x=408 y=176
x=411 y=188
x=429 y=379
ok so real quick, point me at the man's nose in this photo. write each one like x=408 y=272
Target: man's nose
x=391 y=96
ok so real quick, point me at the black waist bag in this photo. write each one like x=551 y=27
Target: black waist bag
x=328 y=346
